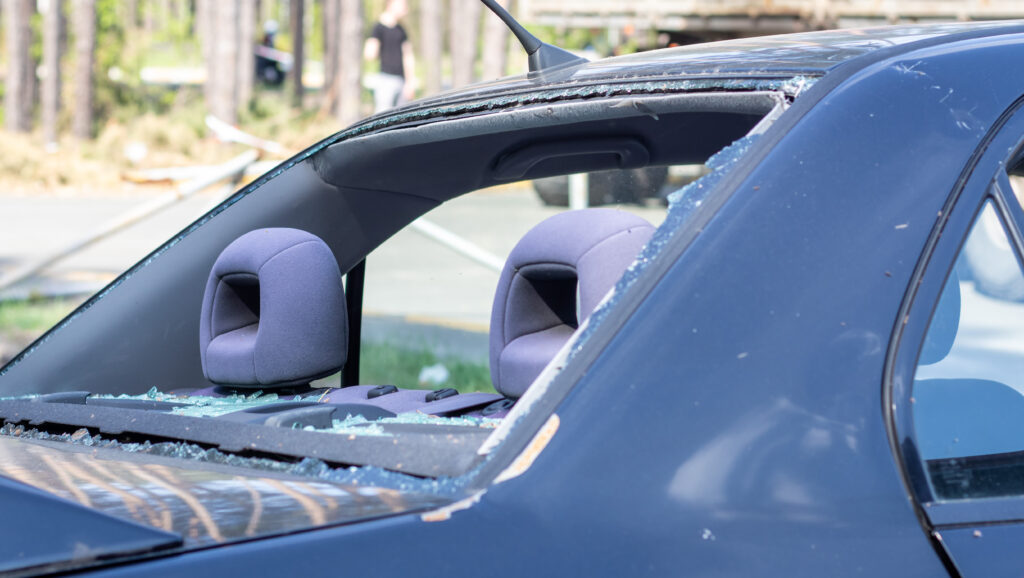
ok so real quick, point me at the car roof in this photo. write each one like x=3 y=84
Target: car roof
x=806 y=53
x=787 y=55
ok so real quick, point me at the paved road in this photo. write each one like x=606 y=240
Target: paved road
x=31 y=228
x=410 y=276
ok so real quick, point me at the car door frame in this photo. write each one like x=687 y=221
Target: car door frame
x=984 y=178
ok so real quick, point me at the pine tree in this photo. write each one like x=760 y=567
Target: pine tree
x=351 y=61
x=53 y=24
x=19 y=86
x=464 y=29
x=496 y=37
x=431 y=44
x=83 y=14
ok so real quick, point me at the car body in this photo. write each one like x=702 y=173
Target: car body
x=741 y=404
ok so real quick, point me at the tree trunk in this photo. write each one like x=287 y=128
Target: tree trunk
x=464 y=29
x=19 y=84
x=163 y=14
x=246 y=58
x=149 y=16
x=350 y=58
x=52 y=25
x=206 y=22
x=296 y=19
x=131 y=15
x=332 y=24
x=496 y=35
x=84 y=14
x=225 y=53
x=431 y=44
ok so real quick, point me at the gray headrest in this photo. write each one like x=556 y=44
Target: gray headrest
x=273 y=311
x=535 y=306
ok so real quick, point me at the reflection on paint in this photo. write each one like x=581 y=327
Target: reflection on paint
x=206 y=505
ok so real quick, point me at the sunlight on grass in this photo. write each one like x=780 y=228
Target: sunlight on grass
x=32 y=316
x=383 y=364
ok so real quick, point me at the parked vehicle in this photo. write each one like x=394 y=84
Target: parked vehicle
x=606 y=187
x=789 y=376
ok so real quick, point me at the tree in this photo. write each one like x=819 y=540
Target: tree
x=84 y=16
x=206 y=22
x=246 y=59
x=296 y=18
x=431 y=44
x=464 y=31
x=496 y=37
x=19 y=86
x=350 y=58
x=131 y=14
x=225 y=56
x=332 y=40
x=53 y=24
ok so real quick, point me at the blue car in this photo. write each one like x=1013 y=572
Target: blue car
x=813 y=365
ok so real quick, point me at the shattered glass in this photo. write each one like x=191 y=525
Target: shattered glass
x=210 y=406
x=368 y=476
x=683 y=204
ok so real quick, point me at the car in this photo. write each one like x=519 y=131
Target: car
x=812 y=366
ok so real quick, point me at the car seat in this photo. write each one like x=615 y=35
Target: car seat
x=551 y=282
x=273 y=318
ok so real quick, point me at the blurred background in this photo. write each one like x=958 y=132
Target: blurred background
x=125 y=120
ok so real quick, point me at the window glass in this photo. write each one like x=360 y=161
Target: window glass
x=968 y=406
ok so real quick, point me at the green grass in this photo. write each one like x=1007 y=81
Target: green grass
x=32 y=315
x=386 y=365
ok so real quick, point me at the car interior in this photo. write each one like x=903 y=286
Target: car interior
x=265 y=292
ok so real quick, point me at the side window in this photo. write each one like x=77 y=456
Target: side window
x=968 y=407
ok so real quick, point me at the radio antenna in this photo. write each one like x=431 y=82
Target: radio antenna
x=541 y=56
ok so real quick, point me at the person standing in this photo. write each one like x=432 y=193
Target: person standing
x=396 y=82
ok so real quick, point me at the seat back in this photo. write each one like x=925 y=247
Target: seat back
x=273 y=311
x=552 y=281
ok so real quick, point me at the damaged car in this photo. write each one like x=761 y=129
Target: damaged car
x=807 y=366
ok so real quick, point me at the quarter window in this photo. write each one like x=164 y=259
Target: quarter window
x=968 y=397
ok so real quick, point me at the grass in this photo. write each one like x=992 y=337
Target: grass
x=21 y=322
x=383 y=364
x=32 y=316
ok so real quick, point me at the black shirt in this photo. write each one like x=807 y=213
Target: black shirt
x=391 y=40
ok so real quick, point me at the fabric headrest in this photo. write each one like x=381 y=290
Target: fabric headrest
x=273 y=311
x=552 y=281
